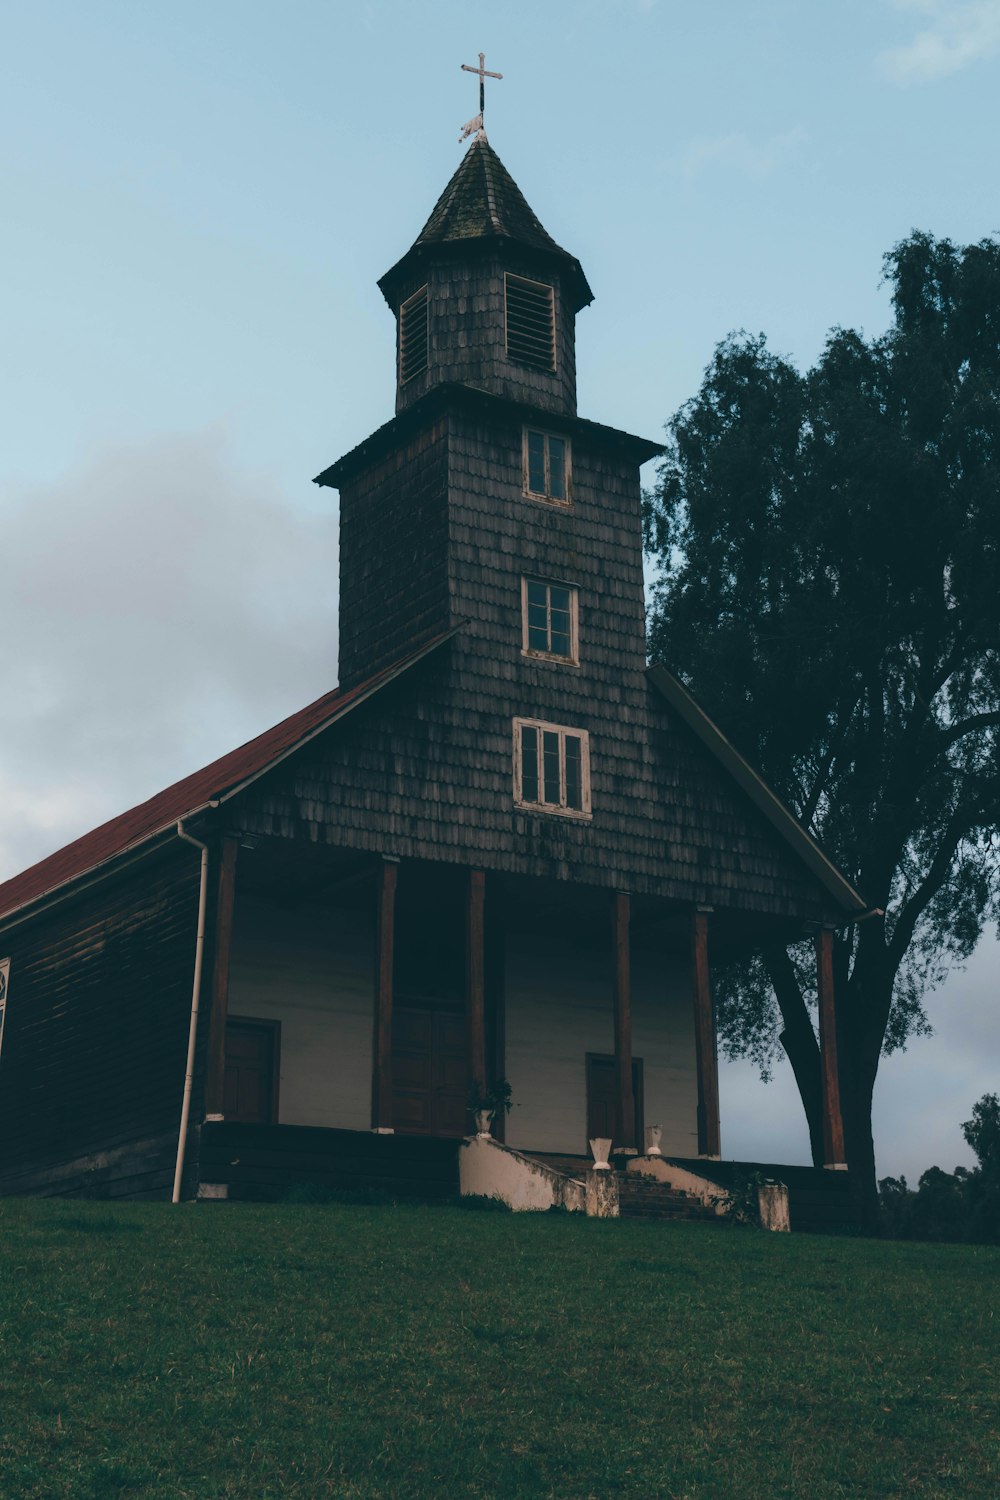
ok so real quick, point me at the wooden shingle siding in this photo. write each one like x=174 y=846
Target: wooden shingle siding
x=96 y=1032
x=426 y=770
x=467 y=332
x=393 y=556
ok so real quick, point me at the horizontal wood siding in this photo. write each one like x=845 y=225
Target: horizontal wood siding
x=467 y=331
x=559 y=1008
x=96 y=1028
x=311 y=967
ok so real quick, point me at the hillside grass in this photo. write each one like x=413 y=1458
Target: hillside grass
x=226 y=1350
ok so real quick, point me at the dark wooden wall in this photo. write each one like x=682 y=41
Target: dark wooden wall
x=426 y=770
x=467 y=330
x=394 y=555
x=96 y=1033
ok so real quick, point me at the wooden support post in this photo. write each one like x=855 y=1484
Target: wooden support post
x=706 y=1054
x=382 y=1035
x=624 y=1096
x=833 y=1124
x=475 y=976
x=222 y=944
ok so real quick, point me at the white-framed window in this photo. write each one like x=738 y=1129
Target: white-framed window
x=551 y=768
x=413 y=336
x=549 y=620
x=547 y=466
x=531 y=322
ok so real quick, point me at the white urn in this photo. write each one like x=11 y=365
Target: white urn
x=601 y=1150
x=653 y=1137
x=483 y=1120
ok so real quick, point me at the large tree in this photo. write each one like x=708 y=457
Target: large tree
x=829 y=548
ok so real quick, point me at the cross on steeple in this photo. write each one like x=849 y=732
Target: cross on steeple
x=477 y=122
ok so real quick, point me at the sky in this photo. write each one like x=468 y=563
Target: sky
x=198 y=200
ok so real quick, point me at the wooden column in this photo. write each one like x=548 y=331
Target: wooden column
x=475 y=976
x=222 y=944
x=706 y=1054
x=382 y=1033
x=624 y=1097
x=833 y=1125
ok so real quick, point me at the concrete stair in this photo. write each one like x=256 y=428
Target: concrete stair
x=642 y=1197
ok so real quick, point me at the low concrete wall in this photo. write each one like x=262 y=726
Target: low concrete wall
x=495 y=1171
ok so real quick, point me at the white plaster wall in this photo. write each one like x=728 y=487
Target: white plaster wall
x=312 y=969
x=559 y=1007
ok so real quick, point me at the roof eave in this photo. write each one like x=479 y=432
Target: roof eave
x=781 y=818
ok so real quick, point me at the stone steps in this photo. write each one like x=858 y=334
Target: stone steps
x=645 y=1198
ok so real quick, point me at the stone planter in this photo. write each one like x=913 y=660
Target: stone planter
x=653 y=1137
x=484 y=1119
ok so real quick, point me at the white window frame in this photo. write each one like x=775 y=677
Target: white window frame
x=546 y=497
x=573 y=659
x=562 y=730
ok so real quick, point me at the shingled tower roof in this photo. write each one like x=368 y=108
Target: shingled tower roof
x=483 y=202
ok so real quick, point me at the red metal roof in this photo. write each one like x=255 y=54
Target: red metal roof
x=196 y=791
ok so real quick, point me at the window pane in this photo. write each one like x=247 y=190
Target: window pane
x=559 y=644
x=574 y=773
x=529 y=764
x=536 y=463
x=538 y=635
x=557 y=468
x=550 y=760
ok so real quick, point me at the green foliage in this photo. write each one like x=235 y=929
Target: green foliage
x=229 y=1351
x=495 y=1097
x=741 y=1204
x=953 y=1206
x=829 y=549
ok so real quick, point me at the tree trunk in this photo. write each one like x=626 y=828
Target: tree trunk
x=799 y=1042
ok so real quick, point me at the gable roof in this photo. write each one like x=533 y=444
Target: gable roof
x=483 y=202
x=214 y=783
x=781 y=818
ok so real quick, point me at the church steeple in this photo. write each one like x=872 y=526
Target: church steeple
x=485 y=296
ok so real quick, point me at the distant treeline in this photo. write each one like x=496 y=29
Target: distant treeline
x=959 y=1205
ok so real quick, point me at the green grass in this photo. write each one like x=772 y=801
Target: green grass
x=221 y=1351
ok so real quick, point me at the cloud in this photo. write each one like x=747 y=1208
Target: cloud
x=159 y=607
x=737 y=152
x=959 y=33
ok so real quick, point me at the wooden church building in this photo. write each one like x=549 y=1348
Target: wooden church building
x=503 y=847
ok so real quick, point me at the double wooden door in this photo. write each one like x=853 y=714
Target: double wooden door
x=429 y=1071
x=601 y=1098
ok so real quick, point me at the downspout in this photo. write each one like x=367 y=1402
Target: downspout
x=199 y=953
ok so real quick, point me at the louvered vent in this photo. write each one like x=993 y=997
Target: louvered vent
x=413 y=336
x=530 y=323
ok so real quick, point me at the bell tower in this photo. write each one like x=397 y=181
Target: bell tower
x=485 y=296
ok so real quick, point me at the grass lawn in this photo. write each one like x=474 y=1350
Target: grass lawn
x=226 y=1350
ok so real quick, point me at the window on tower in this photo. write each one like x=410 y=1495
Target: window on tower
x=549 y=620
x=530 y=322
x=413 y=336
x=546 y=466
x=551 y=768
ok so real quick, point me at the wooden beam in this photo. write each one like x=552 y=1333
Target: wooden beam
x=222 y=946
x=833 y=1124
x=475 y=976
x=496 y=1003
x=382 y=1034
x=624 y=1097
x=706 y=1053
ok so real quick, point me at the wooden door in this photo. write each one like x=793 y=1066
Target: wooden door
x=429 y=1072
x=251 y=1076
x=601 y=1098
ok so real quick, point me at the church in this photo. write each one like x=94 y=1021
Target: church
x=503 y=849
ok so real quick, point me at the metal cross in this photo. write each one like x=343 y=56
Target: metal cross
x=483 y=75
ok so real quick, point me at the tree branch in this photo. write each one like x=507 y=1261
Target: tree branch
x=968 y=726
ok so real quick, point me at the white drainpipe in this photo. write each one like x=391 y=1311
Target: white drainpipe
x=199 y=953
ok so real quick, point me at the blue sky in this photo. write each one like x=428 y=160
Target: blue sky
x=198 y=201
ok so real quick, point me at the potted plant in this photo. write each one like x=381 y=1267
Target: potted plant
x=486 y=1102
